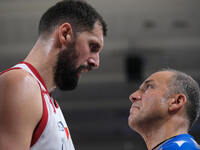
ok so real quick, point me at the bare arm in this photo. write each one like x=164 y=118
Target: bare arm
x=20 y=109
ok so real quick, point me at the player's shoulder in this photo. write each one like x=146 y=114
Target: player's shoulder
x=20 y=103
x=19 y=86
x=18 y=79
x=181 y=144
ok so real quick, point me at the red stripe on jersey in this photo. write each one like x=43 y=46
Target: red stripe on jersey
x=9 y=70
x=56 y=104
x=36 y=73
x=67 y=133
x=54 y=109
x=51 y=101
x=42 y=124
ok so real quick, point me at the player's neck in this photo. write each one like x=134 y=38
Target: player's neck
x=43 y=58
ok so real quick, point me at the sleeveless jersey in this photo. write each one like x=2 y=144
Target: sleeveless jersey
x=52 y=132
x=180 y=142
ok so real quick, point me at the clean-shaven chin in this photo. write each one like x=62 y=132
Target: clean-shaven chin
x=133 y=111
x=134 y=107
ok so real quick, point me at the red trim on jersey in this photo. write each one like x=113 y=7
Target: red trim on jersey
x=51 y=101
x=42 y=124
x=54 y=109
x=9 y=70
x=56 y=104
x=67 y=133
x=36 y=73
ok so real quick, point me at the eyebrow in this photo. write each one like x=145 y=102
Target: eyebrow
x=146 y=82
x=96 y=42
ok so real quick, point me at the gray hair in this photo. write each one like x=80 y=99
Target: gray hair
x=185 y=84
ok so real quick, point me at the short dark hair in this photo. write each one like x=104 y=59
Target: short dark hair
x=79 y=14
x=183 y=83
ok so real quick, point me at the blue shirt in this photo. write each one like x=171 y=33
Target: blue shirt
x=180 y=142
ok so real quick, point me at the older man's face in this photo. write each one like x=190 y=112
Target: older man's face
x=149 y=102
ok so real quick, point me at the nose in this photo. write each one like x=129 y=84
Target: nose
x=135 y=96
x=94 y=61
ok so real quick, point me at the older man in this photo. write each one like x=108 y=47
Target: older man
x=163 y=110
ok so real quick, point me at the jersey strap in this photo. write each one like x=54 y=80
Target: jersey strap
x=35 y=74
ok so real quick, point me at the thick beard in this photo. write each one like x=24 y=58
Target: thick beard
x=65 y=71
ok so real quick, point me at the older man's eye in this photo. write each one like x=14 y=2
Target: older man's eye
x=149 y=86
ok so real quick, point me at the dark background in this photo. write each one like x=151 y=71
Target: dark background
x=143 y=37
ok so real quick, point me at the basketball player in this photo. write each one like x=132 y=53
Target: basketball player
x=70 y=40
x=163 y=110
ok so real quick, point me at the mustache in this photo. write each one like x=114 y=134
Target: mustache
x=89 y=67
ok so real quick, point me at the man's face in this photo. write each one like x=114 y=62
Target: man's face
x=149 y=102
x=80 y=56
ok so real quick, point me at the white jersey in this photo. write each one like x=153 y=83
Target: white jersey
x=52 y=132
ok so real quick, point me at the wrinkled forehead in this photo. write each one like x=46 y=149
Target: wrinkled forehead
x=161 y=77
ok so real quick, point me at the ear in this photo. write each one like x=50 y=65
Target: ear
x=177 y=102
x=64 y=34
